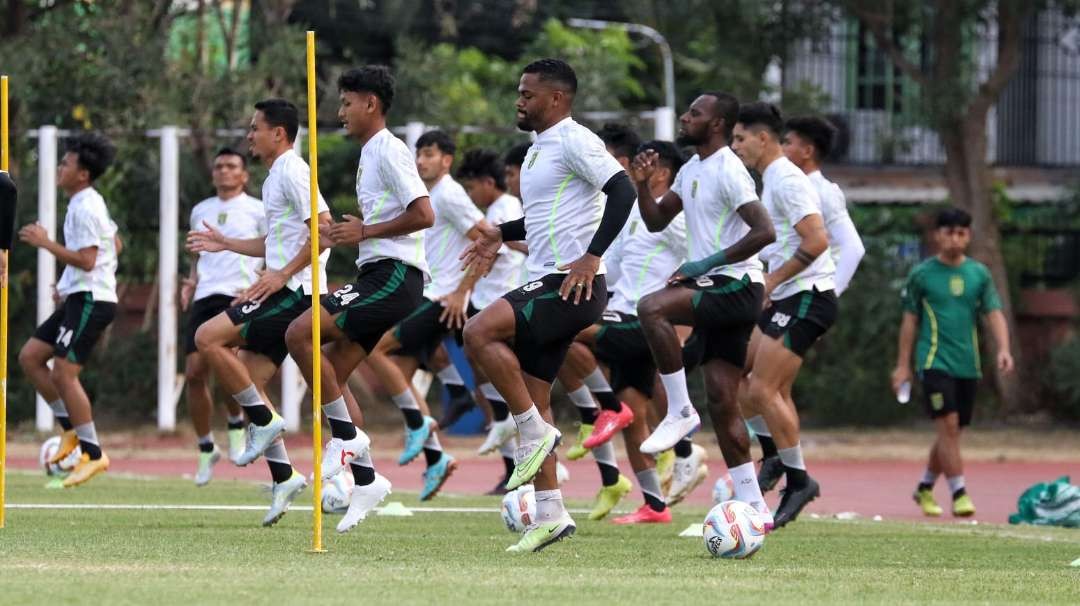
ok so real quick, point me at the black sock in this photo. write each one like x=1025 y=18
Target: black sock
x=459 y=392
x=508 y=466
x=499 y=410
x=259 y=414
x=236 y=425
x=959 y=493
x=608 y=475
x=768 y=446
x=925 y=486
x=607 y=400
x=362 y=476
x=413 y=418
x=796 y=478
x=65 y=423
x=344 y=430
x=654 y=503
x=588 y=415
x=684 y=448
x=206 y=447
x=279 y=471
x=432 y=456
x=91 y=449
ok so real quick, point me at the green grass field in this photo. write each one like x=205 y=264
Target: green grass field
x=164 y=557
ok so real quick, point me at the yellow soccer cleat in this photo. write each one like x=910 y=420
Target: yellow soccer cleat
x=925 y=500
x=68 y=442
x=963 y=507
x=609 y=497
x=665 y=468
x=86 y=469
x=578 y=450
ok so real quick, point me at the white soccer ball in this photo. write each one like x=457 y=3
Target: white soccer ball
x=733 y=529
x=723 y=490
x=336 y=492
x=519 y=508
x=64 y=467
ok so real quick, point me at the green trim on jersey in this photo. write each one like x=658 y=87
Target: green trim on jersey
x=551 y=219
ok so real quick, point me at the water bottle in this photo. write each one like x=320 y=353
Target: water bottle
x=903 y=394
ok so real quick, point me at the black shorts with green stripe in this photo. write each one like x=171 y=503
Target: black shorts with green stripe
x=799 y=321
x=725 y=310
x=76 y=326
x=384 y=293
x=263 y=325
x=421 y=332
x=621 y=345
x=545 y=325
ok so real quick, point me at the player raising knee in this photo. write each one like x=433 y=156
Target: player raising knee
x=87 y=291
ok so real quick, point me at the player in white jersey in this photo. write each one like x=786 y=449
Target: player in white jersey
x=213 y=283
x=520 y=340
x=807 y=142
x=391 y=271
x=719 y=291
x=87 y=290
x=417 y=340
x=799 y=286
x=257 y=323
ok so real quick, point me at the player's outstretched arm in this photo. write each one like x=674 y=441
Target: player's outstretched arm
x=212 y=240
x=417 y=216
x=35 y=235
x=761 y=234
x=656 y=216
x=479 y=257
x=813 y=242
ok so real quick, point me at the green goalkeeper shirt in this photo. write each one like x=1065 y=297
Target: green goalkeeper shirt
x=948 y=302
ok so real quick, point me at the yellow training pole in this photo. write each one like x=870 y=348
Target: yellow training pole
x=4 y=159
x=316 y=308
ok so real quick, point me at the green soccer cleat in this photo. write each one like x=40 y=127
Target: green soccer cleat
x=925 y=500
x=283 y=495
x=530 y=456
x=609 y=497
x=578 y=450
x=963 y=507
x=259 y=438
x=540 y=535
x=207 y=460
x=237 y=437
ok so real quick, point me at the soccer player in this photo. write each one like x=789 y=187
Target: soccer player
x=417 y=338
x=392 y=268
x=214 y=281
x=520 y=340
x=484 y=177
x=719 y=292
x=87 y=290
x=943 y=298
x=257 y=323
x=807 y=142
x=799 y=288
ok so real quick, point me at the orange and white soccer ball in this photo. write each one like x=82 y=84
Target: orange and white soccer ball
x=64 y=467
x=733 y=529
x=519 y=508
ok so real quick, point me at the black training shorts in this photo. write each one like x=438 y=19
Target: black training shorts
x=725 y=310
x=947 y=394
x=621 y=345
x=799 y=321
x=421 y=332
x=201 y=312
x=76 y=326
x=383 y=294
x=263 y=325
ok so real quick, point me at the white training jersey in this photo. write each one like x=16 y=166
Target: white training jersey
x=508 y=272
x=286 y=195
x=561 y=182
x=712 y=189
x=615 y=251
x=789 y=196
x=646 y=262
x=844 y=242
x=446 y=239
x=227 y=272
x=386 y=184
x=87 y=223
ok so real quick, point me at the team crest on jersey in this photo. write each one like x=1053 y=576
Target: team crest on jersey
x=780 y=319
x=693 y=189
x=222 y=217
x=956 y=285
x=532 y=160
x=937 y=401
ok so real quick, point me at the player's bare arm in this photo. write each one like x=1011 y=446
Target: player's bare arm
x=35 y=235
x=655 y=216
x=813 y=242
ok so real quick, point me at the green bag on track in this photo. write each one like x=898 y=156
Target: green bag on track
x=1055 y=503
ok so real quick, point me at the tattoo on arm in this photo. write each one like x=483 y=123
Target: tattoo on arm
x=804 y=257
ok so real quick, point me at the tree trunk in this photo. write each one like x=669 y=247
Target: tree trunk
x=969 y=183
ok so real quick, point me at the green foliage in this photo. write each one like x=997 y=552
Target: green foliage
x=1062 y=378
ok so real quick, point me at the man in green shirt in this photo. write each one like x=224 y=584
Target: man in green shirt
x=943 y=298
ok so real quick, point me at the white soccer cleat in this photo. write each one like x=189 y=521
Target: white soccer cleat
x=362 y=501
x=207 y=460
x=339 y=453
x=237 y=437
x=500 y=433
x=259 y=438
x=283 y=496
x=671 y=430
x=687 y=474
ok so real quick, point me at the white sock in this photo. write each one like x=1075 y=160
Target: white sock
x=432 y=442
x=405 y=400
x=649 y=482
x=549 y=505
x=929 y=477
x=276 y=452
x=207 y=439
x=955 y=483
x=58 y=408
x=531 y=426
x=597 y=382
x=744 y=479
x=605 y=454
x=582 y=398
x=88 y=433
x=450 y=376
x=757 y=423
x=234 y=419
x=507 y=449
x=249 y=396
x=792 y=457
x=490 y=392
x=679 y=403
x=337 y=410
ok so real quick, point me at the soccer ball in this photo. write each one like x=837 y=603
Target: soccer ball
x=336 y=492
x=64 y=467
x=519 y=508
x=723 y=490
x=733 y=529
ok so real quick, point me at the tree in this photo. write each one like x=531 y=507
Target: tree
x=955 y=101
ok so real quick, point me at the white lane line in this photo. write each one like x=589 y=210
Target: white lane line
x=143 y=507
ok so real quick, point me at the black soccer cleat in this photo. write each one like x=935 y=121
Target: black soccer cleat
x=770 y=472
x=455 y=409
x=793 y=500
